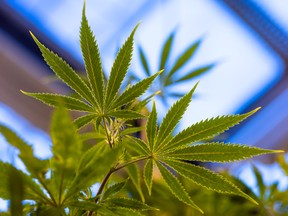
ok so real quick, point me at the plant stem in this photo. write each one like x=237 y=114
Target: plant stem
x=106 y=131
x=111 y=171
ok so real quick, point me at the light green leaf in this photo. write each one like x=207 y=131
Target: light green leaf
x=134 y=174
x=67 y=147
x=176 y=187
x=93 y=171
x=55 y=100
x=91 y=55
x=31 y=189
x=195 y=73
x=114 y=189
x=137 y=145
x=260 y=183
x=183 y=59
x=166 y=51
x=172 y=118
x=84 y=120
x=128 y=203
x=126 y=114
x=206 y=129
x=88 y=157
x=65 y=72
x=206 y=178
x=151 y=127
x=148 y=174
x=217 y=152
x=119 y=69
x=35 y=166
x=134 y=92
x=144 y=61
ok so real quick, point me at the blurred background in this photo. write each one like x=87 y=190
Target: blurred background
x=247 y=40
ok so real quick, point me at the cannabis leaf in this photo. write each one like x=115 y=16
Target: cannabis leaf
x=175 y=153
x=96 y=99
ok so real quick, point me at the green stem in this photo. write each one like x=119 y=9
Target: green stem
x=48 y=191
x=112 y=170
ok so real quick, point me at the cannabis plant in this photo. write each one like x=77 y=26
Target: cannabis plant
x=64 y=184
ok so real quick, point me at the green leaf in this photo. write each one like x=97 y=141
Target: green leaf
x=166 y=51
x=67 y=147
x=120 y=211
x=184 y=58
x=134 y=174
x=144 y=61
x=172 y=118
x=206 y=129
x=114 y=189
x=55 y=100
x=31 y=190
x=93 y=171
x=91 y=55
x=134 y=92
x=119 y=69
x=35 y=166
x=206 y=178
x=176 y=187
x=126 y=114
x=217 y=152
x=195 y=73
x=88 y=157
x=260 y=182
x=65 y=72
x=131 y=130
x=84 y=120
x=151 y=127
x=148 y=175
x=16 y=189
x=128 y=203
x=84 y=205
x=137 y=145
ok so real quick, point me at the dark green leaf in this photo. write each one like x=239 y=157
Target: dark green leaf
x=134 y=92
x=217 y=152
x=137 y=145
x=119 y=69
x=114 y=189
x=55 y=100
x=172 y=118
x=134 y=174
x=144 y=61
x=176 y=187
x=65 y=72
x=91 y=55
x=128 y=203
x=151 y=127
x=148 y=174
x=84 y=120
x=206 y=178
x=16 y=189
x=206 y=129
